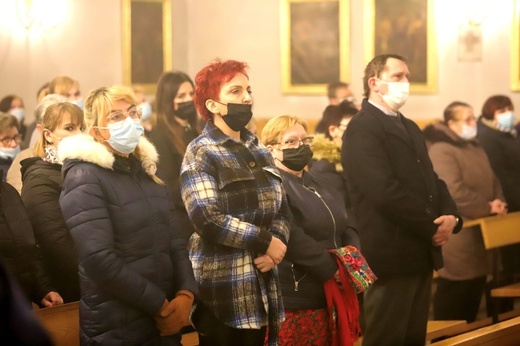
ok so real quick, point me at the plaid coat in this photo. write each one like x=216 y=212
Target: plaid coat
x=234 y=196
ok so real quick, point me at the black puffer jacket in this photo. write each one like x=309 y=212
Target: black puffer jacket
x=41 y=190
x=318 y=222
x=18 y=248
x=131 y=254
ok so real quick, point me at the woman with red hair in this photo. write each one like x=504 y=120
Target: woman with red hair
x=234 y=197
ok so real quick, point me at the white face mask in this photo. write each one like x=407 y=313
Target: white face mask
x=506 y=120
x=396 y=95
x=19 y=113
x=9 y=153
x=468 y=132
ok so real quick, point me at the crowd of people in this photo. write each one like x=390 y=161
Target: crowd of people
x=172 y=213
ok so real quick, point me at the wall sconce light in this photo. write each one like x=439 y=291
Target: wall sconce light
x=46 y=14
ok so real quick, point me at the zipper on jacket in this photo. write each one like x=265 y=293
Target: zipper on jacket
x=326 y=206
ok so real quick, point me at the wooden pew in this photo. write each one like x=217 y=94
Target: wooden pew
x=502 y=333
x=62 y=323
x=498 y=231
x=190 y=339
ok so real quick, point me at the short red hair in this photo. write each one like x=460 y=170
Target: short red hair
x=210 y=79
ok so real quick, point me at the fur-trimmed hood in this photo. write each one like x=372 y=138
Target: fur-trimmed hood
x=440 y=132
x=325 y=149
x=85 y=148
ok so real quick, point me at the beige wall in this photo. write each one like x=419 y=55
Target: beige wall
x=87 y=46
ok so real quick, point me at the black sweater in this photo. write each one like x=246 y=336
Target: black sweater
x=318 y=222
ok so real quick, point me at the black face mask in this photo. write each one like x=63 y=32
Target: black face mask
x=186 y=110
x=297 y=158
x=238 y=115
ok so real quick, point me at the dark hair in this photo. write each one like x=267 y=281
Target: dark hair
x=167 y=89
x=7 y=121
x=209 y=81
x=332 y=88
x=375 y=67
x=5 y=103
x=333 y=115
x=494 y=103
x=449 y=112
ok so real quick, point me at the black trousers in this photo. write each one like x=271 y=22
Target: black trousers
x=212 y=332
x=458 y=300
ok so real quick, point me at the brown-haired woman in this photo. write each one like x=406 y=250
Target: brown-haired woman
x=42 y=183
x=10 y=140
x=177 y=125
x=500 y=140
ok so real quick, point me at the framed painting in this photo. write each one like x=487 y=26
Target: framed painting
x=147 y=47
x=404 y=27
x=314 y=45
x=515 y=49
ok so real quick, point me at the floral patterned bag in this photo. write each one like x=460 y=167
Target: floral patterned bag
x=360 y=274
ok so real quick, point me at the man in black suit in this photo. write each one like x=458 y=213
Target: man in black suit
x=404 y=211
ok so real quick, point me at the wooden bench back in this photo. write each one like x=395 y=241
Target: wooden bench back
x=62 y=323
x=502 y=333
x=500 y=230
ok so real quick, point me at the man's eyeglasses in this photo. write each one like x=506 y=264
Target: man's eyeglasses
x=7 y=140
x=116 y=116
x=295 y=142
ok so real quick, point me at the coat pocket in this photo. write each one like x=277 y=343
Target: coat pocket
x=238 y=190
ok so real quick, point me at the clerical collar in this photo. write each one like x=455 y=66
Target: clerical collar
x=384 y=110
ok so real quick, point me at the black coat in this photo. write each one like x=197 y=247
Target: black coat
x=42 y=183
x=395 y=193
x=503 y=151
x=18 y=247
x=131 y=254
x=4 y=167
x=313 y=231
x=168 y=169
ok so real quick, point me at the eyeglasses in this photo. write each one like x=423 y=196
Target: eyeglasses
x=7 y=140
x=295 y=142
x=116 y=116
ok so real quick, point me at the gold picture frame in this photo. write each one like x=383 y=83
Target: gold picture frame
x=404 y=27
x=314 y=42
x=515 y=49
x=147 y=42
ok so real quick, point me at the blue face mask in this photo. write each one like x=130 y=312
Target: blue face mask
x=146 y=108
x=79 y=103
x=506 y=120
x=124 y=135
x=9 y=153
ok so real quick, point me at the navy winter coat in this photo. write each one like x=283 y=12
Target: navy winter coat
x=131 y=254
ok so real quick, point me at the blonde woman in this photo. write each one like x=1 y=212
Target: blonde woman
x=319 y=223
x=42 y=183
x=137 y=284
